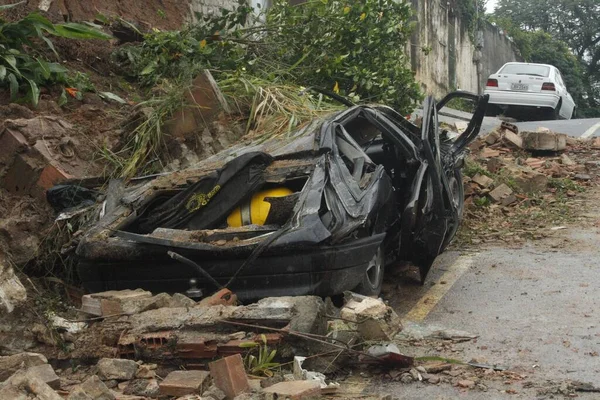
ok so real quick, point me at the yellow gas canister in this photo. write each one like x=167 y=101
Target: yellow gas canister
x=257 y=209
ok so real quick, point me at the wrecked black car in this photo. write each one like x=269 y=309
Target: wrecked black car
x=317 y=211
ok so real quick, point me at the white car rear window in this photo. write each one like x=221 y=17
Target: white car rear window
x=524 y=69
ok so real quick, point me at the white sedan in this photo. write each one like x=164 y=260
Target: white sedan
x=524 y=86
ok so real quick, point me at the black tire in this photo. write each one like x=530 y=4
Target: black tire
x=373 y=277
x=554 y=113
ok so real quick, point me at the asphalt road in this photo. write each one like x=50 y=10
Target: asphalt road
x=586 y=128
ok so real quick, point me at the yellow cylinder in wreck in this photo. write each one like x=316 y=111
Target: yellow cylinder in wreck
x=255 y=211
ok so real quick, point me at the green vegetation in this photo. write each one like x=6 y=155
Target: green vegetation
x=262 y=363
x=356 y=50
x=565 y=34
x=24 y=66
x=266 y=69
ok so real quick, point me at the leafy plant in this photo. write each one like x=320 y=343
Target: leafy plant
x=354 y=49
x=262 y=363
x=23 y=65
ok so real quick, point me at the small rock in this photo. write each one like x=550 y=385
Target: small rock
x=146 y=371
x=406 y=378
x=421 y=369
x=482 y=387
x=466 y=383
x=482 y=180
x=96 y=389
x=116 y=368
x=79 y=394
x=500 y=193
x=296 y=390
x=142 y=387
x=112 y=383
x=46 y=374
x=566 y=160
x=414 y=374
x=180 y=300
x=214 y=393
x=433 y=379
x=582 y=177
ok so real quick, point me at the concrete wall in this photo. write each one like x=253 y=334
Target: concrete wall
x=444 y=57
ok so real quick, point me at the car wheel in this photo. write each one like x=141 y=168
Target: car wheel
x=373 y=276
x=457 y=192
x=555 y=112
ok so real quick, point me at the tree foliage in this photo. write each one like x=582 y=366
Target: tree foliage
x=572 y=27
x=23 y=64
x=353 y=48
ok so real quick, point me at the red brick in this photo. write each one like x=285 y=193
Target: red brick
x=181 y=383
x=229 y=375
x=11 y=143
x=294 y=390
x=50 y=176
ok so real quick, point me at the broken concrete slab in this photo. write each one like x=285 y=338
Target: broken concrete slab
x=11 y=364
x=115 y=302
x=293 y=390
x=181 y=383
x=544 y=141
x=116 y=368
x=12 y=291
x=566 y=160
x=229 y=376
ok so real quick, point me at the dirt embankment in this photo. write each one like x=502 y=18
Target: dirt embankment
x=161 y=14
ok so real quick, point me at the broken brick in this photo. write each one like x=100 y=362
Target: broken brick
x=222 y=297
x=293 y=390
x=229 y=375
x=512 y=139
x=181 y=383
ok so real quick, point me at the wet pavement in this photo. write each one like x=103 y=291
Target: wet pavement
x=534 y=306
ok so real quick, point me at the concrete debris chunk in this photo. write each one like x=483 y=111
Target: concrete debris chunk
x=11 y=364
x=376 y=321
x=500 y=193
x=566 y=160
x=544 y=141
x=181 y=383
x=96 y=389
x=79 y=394
x=115 y=302
x=12 y=291
x=143 y=387
x=22 y=385
x=116 y=368
x=511 y=139
x=229 y=375
x=46 y=374
x=146 y=371
x=294 y=390
x=482 y=180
